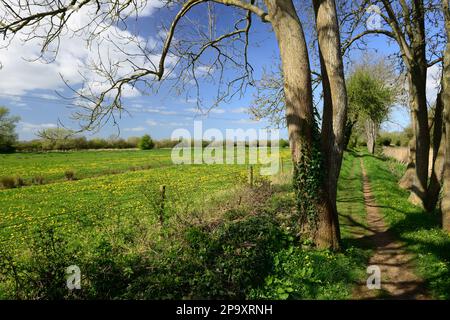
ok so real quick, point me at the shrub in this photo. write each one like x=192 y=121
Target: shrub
x=362 y=143
x=19 y=181
x=284 y=143
x=70 y=175
x=8 y=182
x=146 y=143
x=386 y=142
x=312 y=274
x=166 y=143
x=43 y=276
x=37 y=180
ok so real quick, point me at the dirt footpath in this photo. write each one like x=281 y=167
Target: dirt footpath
x=398 y=280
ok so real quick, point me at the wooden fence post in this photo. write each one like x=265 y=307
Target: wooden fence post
x=250 y=176
x=281 y=165
x=162 y=191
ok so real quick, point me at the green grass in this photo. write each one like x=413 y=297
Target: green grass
x=350 y=199
x=110 y=222
x=76 y=206
x=420 y=231
x=219 y=239
x=300 y=273
x=108 y=227
x=52 y=165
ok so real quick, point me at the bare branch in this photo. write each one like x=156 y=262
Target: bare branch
x=349 y=42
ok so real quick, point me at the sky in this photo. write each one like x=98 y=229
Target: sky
x=35 y=90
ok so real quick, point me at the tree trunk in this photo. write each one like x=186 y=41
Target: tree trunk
x=418 y=104
x=335 y=98
x=445 y=204
x=371 y=134
x=348 y=132
x=406 y=181
x=299 y=106
x=437 y=168
x=414 y=57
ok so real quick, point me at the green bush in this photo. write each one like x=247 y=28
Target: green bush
x=19 y=182
x=37 y=180
x=284 y=143
x=214 y=264
x=166 y=143
x=385 y=141
x=8 y=182
x=146 y=143
x=70 y=175
x=312 y=274
x=43 y=274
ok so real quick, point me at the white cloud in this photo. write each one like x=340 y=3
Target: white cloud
x=151 y=123
x=239 y=110
x=154 y=123
x=158 y=110
x=246 y=121
x=195 y=110
x=177 y=124
x=199 y=111
x=18 y=75
x=188 y=100
x=135 y=129
x=32 y=127
x=45 y=96
x=205 y=70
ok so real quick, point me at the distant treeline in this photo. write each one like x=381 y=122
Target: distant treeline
x=82 y=143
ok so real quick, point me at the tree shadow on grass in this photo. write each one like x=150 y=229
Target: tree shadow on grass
x=419 y=231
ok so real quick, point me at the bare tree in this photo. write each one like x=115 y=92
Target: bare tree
x=184 y=56
x=420 y=47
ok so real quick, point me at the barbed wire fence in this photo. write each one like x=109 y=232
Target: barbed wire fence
x=163 y=197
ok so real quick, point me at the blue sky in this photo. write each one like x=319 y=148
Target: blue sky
x=30 y=89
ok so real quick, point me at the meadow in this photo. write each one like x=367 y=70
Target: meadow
x=133 y=188
x=209 y=233
x=210 y=219
x=52 y=166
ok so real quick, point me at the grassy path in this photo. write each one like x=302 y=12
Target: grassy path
x=420 y=231
x=398 y=278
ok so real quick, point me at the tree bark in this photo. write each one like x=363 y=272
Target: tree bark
x=299 y=106
x=414 y=57
x=445 y=204
x=407 y=179
x=437 y=165
x=371 y=134
x=335 y=98
x=348 y=132
x=418 y=104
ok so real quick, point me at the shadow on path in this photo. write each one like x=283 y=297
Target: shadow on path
x=398 y=280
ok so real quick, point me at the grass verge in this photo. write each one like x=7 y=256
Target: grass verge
x=420 y=231
x=301 y=273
